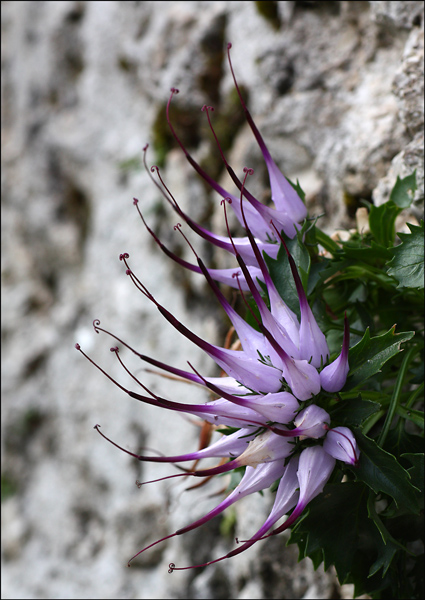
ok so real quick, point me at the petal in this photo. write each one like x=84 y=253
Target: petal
x=266 y=447
x=314 y=469
x=310 y=422
x=341 y=444
x=279 y=407
x=313 y=345
x=303 y=378
x=334 y=376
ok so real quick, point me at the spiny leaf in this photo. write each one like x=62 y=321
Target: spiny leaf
x=407 y=264
x=382 y=222
x=400 y=192
x=368 y=356
x=383 y=473
x=354 y=411
x=338 y=509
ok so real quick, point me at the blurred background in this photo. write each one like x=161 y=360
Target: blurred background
x=336 y=89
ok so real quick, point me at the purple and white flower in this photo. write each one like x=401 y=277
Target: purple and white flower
x=275 y=384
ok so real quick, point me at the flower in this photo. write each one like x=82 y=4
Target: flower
x=341 y=444
x=333 y=376
x=270 y=400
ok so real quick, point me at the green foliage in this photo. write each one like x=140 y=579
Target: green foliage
x=269 y=11
x=400 y=193
x=407 y=264
x=381 y=471
x=280 y=271
x=9 y=486
x=368 y=522
x=368 y=356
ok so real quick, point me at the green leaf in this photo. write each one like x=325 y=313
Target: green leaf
x=400 y=442
x=297 y=188
x=383 y=473
x=353 y=411
x=416 y=416
x=281 y=274
x=364 y=253
x=387 y=551
x=365 y=272
x=332 y=526
x=382 y=218
x=339 y=529
x=317 y=268
x=368 y=356
x=327 y=242
x=416 y=472
x=382 y=222
x=407 y=264
x=400 y=192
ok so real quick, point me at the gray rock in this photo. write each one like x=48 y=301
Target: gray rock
x=337 y=90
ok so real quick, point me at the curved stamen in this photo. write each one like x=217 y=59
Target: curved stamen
x=78 y=347
x=217 y=240
x=150 y=171
x=193 y=163
x=254 y=291
x=156 y=363
x=167 y=251
x=284 y=196
x=235 y=363
x=178 y=227
x=302 y=377
x=248 y=402
x=286 y=319
x=205 y=411
x=210 y=411
x=231 y=172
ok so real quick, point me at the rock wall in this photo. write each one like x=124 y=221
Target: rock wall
x=337 y=91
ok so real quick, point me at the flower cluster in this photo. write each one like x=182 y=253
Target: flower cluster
x=269 y=402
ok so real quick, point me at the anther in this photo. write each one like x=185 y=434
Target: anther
x=171 y=567
x=96 y=324
x=135 y=201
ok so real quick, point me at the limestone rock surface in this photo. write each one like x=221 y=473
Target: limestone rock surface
x=336 y=89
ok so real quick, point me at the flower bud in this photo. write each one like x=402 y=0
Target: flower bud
x=311 y=422
x=341 y=444
x=266 y=447
x=334 y=376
